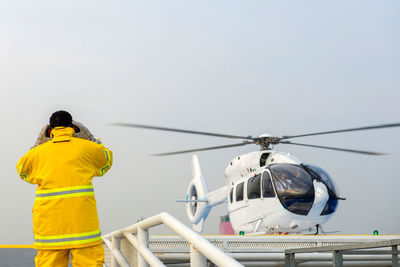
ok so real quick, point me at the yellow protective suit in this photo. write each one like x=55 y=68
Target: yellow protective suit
x=65 y=213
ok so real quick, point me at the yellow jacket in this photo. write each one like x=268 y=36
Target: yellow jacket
x=65 y=213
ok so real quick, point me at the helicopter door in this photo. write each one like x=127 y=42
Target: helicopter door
x=253 y=187
x=239 y=192
x=267 y=187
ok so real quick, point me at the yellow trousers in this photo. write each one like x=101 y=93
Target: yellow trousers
x=80 y=257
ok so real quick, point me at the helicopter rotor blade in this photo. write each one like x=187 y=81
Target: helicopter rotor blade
x=181 y=131
x=345 y=130
x=201 y=149
x=336 y=148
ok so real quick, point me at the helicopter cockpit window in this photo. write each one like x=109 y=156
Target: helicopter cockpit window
x=294 y=187
x=267 y=188
x=332 y=203
x=253 y=187
x=239 y=192
x=231 y=195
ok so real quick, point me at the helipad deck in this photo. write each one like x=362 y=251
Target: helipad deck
x=264 y=250
x=249 y=250
x=14 y=255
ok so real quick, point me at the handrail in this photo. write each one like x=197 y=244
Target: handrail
x=201 y=249
x=339 y=250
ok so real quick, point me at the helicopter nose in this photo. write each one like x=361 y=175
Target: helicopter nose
x=320 y=198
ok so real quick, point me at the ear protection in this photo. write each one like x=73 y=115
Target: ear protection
x=48 y=130
x=76 y=128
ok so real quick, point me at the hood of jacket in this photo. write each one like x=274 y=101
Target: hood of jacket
x=61 y=134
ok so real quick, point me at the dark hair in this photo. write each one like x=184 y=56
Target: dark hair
x=60 y=118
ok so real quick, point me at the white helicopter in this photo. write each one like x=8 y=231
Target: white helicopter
x=267 y=191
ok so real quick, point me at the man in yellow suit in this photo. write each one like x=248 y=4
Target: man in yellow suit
x=65 y=217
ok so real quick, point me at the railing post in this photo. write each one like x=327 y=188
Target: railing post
x=115 y=244
x=196 y=258
x=337 y=258
x=395 y=256
x=143 y=238
x=290 y=260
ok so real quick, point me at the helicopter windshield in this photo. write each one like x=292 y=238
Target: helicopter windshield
x=332 y=203
x=294 y=187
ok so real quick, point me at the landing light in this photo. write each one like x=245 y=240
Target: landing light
x=241 y=233
x=376 y=232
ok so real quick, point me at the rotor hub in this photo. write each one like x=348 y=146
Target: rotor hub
x=266 y=141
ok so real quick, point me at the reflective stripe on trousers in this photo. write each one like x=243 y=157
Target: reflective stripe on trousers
x=69 y=239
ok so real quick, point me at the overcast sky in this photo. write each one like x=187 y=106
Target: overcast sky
x=238 y=67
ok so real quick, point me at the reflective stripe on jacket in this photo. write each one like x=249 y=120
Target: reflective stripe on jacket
x=65 y=213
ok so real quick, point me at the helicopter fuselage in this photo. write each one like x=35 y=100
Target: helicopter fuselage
x=266 y=191
x=273 y=192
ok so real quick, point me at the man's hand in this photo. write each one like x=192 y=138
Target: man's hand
x=84 y=133
x=42 y=138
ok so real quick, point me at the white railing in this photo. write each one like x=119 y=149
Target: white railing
x=354 y=249
x=138 y=235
